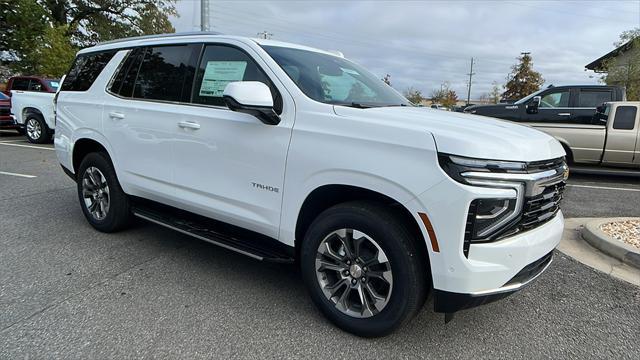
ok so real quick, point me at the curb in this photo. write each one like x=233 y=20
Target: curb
x=626 y=253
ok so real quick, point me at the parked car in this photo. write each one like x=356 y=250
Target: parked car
x=573 y=104
x=6 y=120
x=612 y=140
x=569 y=113
x=32 y=106
x=291 y=154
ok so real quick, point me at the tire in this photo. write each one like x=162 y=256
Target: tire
x=94 y=173
x=409 y=273
x=36 y=129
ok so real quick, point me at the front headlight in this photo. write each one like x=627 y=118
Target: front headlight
x=487 y=216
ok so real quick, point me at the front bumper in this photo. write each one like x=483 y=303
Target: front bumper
x=8 y=122
x=449 y=302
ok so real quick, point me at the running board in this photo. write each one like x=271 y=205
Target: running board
x=230 y=237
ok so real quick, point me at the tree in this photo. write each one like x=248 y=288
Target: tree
x=444 y=96
x=413 y=95
x=523 y=80
x=36 y=31
x=494 y=95
x=387 y=79
x=624 y=70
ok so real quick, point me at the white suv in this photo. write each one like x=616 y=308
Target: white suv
x=291 y=154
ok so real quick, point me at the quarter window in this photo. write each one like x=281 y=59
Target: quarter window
x=166 y=73
x=85 y=70
x=126 y=77
x=555 y=99
x=592 y=99
x=625 y=118
x=221 y=65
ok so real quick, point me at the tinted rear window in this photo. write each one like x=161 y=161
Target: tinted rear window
x=20 y=84
x=625 y=118
x=167 y=72
x=126 y=76
x=593 y=98
x=85 y=70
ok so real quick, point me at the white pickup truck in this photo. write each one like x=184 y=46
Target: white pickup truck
x=32 y=107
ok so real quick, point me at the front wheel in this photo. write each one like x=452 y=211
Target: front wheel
x=363 y=268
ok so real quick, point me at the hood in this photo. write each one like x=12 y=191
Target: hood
x=468 y=135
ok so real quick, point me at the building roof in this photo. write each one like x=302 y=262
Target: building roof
x=597 y=65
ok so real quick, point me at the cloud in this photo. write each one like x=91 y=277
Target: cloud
x=424 y=43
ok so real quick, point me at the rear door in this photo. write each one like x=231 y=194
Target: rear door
x=587 y=100
x=622 y=136
x=141 y=114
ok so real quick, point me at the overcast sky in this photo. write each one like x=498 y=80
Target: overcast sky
x=425 y=43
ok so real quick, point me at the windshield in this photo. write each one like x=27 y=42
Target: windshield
x=3 y=96
x=334 y=80
x=54 y=84
x=526 y=98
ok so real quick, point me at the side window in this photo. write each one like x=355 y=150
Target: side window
x=20 y=84
x=35 y=85
x=555 y=99
x=126 y=77
x=85 y=70
x=625 y=118
x=221 y=65
x=593 y=98
x=166 y=73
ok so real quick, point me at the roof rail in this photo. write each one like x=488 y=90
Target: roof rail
x=160 y=36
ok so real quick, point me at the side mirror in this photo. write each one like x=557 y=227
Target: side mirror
x=600 y=117
x=251 y=97
x=532 y=107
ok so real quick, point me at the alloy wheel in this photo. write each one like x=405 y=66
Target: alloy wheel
x=354 y=273
x=34 y=130
x=95 y=193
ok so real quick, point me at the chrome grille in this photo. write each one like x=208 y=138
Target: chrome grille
x=541 y=208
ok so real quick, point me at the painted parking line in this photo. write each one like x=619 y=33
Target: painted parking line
x=11 y=141
x=18 y=175
x=27 y=146
x=603 y=187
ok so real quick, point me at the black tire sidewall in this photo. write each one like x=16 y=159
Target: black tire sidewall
x=119 y=209
x=44 y=133
x=408 y=277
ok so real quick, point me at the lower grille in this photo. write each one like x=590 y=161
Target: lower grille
x=5 y=111
x=530 y=271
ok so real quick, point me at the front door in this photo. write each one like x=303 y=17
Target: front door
x=554 y=108
x=229 y=165
x=621 y=136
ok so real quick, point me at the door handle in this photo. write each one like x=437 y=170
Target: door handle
x=189 y=125
x=564 y=114
x=116 y=115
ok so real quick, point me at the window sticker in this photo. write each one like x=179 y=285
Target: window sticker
x=54 y=84
x=218 y=74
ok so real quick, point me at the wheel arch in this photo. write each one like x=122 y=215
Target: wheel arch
x=84 y=146
x=326 y=196
x=567 y=149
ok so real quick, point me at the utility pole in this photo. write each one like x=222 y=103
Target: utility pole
x=265 y=35
x=204 y=15
x=471 y=73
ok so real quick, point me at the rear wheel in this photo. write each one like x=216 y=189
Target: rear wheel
x=103 y=202
x=37 y=130
x=363 y=269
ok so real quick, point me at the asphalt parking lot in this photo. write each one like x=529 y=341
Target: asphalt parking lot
x=67 y=291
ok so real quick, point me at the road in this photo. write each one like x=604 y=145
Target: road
x=67 y=291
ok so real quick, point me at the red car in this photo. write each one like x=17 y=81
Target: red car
x=6 y=120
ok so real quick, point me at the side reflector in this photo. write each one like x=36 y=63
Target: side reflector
x=432 y=234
